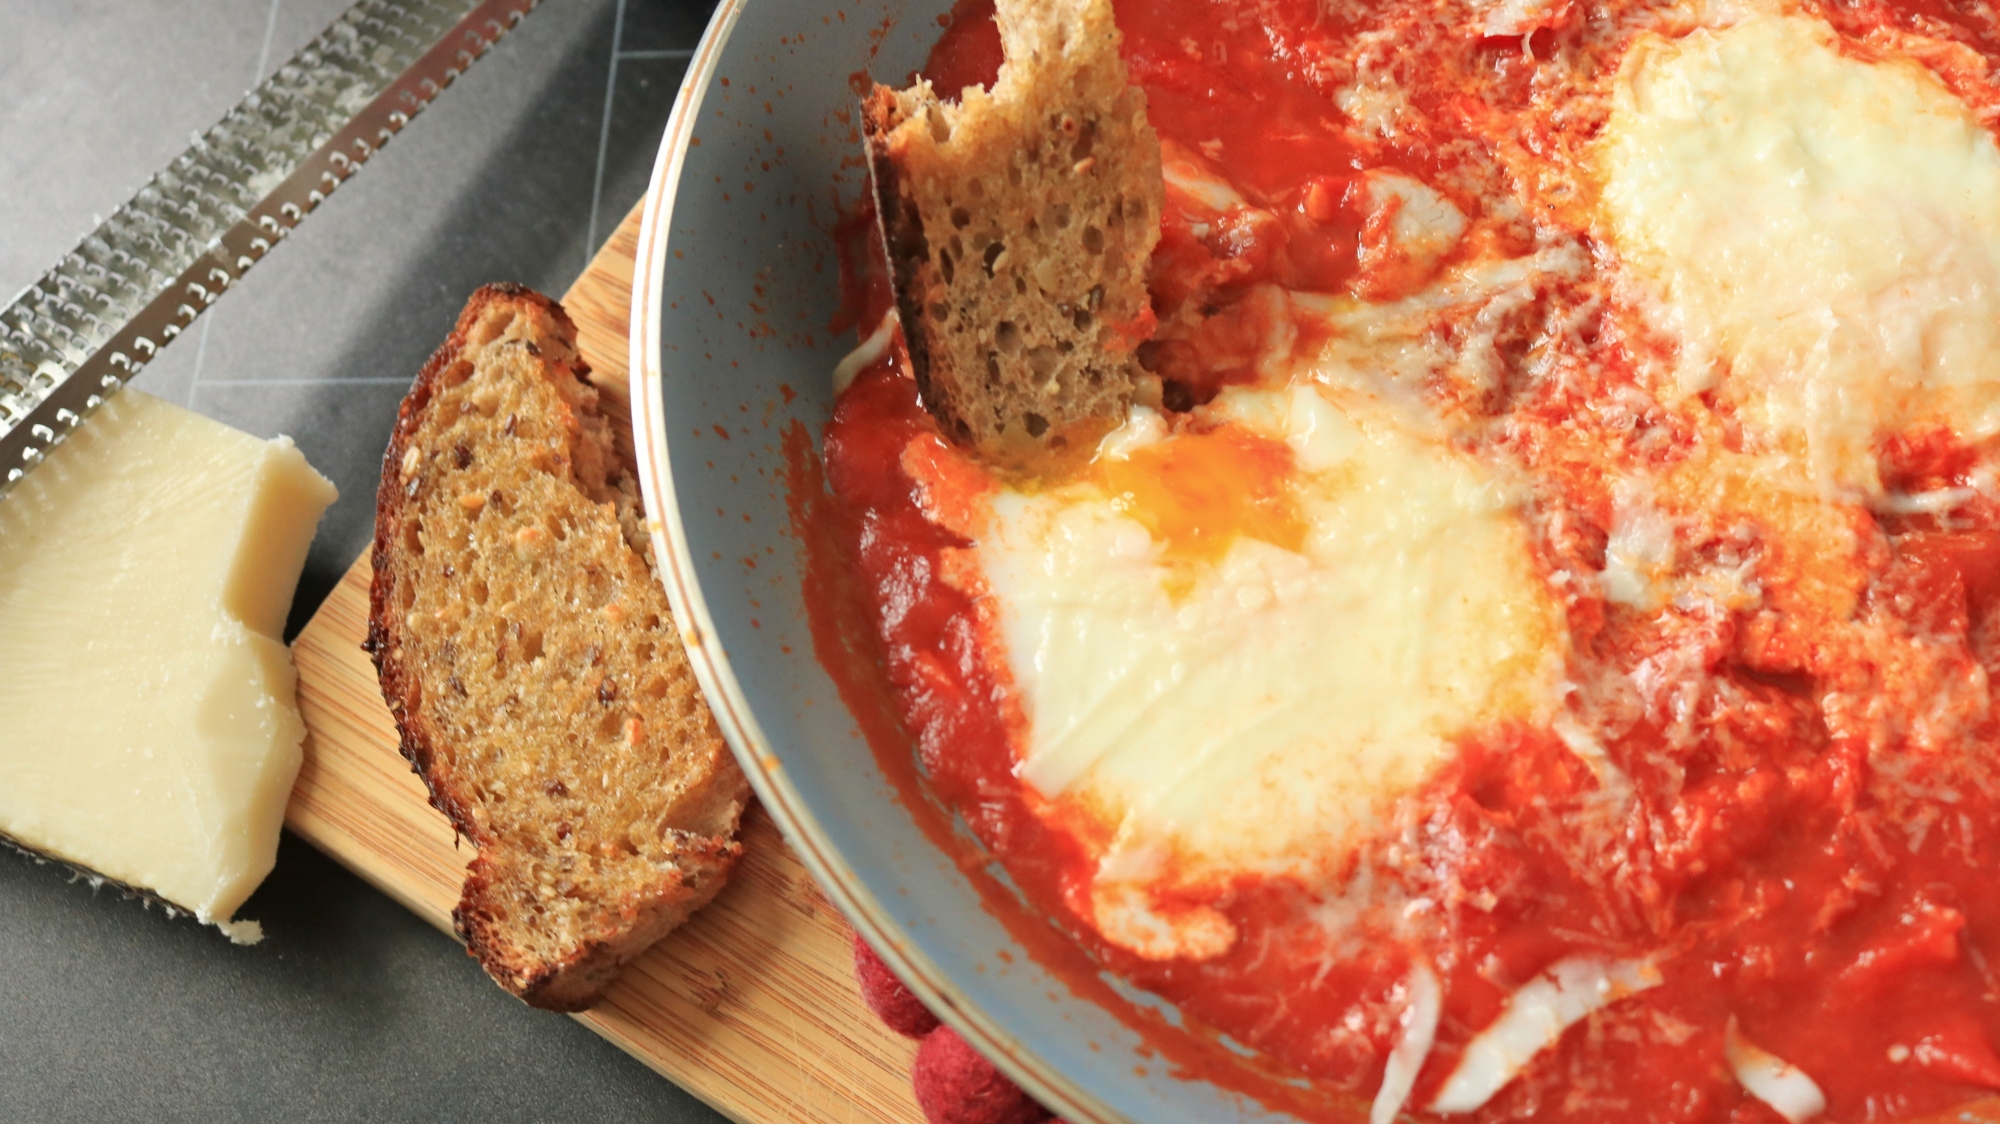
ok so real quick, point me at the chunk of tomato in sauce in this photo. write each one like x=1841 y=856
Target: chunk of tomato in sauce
x=1949 y=578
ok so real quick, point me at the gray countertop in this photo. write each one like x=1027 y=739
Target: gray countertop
x=351 y=1008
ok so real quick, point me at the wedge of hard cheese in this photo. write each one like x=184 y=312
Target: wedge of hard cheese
x=148 y=730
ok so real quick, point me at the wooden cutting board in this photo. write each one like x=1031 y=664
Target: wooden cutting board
x=751 y=1005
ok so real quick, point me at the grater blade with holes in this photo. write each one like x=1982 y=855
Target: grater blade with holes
x=75 y=337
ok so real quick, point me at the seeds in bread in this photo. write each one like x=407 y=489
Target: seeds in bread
x=1019 y=223
x=533 y=666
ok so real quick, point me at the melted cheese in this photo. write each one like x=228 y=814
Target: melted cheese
x=1423 y=226
x=1262 y=713
x=1193 y=185
x=1534 y=1019
x=1772 y=1079
x=1825 y=232
x=1639 y=554
x=1397 y=341
x=1416 y=1033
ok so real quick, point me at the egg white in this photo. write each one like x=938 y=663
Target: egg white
x=1262 y=719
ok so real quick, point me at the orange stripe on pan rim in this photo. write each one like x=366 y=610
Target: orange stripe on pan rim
x=711 y=664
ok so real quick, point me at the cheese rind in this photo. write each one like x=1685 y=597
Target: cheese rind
x=145 y=573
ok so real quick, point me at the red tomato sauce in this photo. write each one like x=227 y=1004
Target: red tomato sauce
x=1781 y=860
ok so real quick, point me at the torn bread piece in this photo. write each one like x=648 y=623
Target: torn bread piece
x=533 y=665
x=1019 y=223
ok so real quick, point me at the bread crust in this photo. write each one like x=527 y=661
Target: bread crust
x=700 y=846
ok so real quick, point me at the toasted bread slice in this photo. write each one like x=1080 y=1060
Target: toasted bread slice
x=1019 y=223
x=533 y=666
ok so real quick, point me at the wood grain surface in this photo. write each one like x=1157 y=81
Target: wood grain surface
x=751 y=1005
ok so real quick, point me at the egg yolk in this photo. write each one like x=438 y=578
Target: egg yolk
x=1197 y=492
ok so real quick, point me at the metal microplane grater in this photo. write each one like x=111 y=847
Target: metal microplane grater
x=76 y=336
